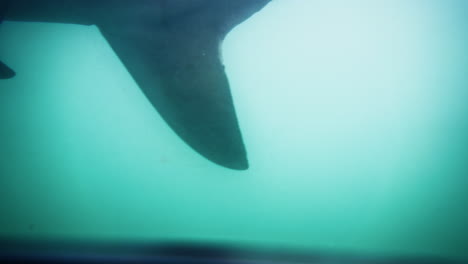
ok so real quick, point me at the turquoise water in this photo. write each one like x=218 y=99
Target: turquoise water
x=354 y=116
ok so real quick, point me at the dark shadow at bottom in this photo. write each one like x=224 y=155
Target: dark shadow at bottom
x=27 y=251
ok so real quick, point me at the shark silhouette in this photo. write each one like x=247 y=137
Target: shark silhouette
x=171 y=48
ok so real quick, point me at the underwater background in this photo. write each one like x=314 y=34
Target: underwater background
x=354 y=115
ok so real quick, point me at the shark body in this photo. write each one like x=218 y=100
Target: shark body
x=171 y=49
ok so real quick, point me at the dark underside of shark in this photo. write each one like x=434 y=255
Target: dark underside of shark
x=171 y=49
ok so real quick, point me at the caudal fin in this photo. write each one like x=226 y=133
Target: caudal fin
x=6 y=72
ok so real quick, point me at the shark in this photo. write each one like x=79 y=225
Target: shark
x=171 y=48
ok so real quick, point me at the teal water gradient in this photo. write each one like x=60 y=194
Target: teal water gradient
x=354 y=114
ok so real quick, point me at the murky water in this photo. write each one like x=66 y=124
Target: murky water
x=354 y=115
